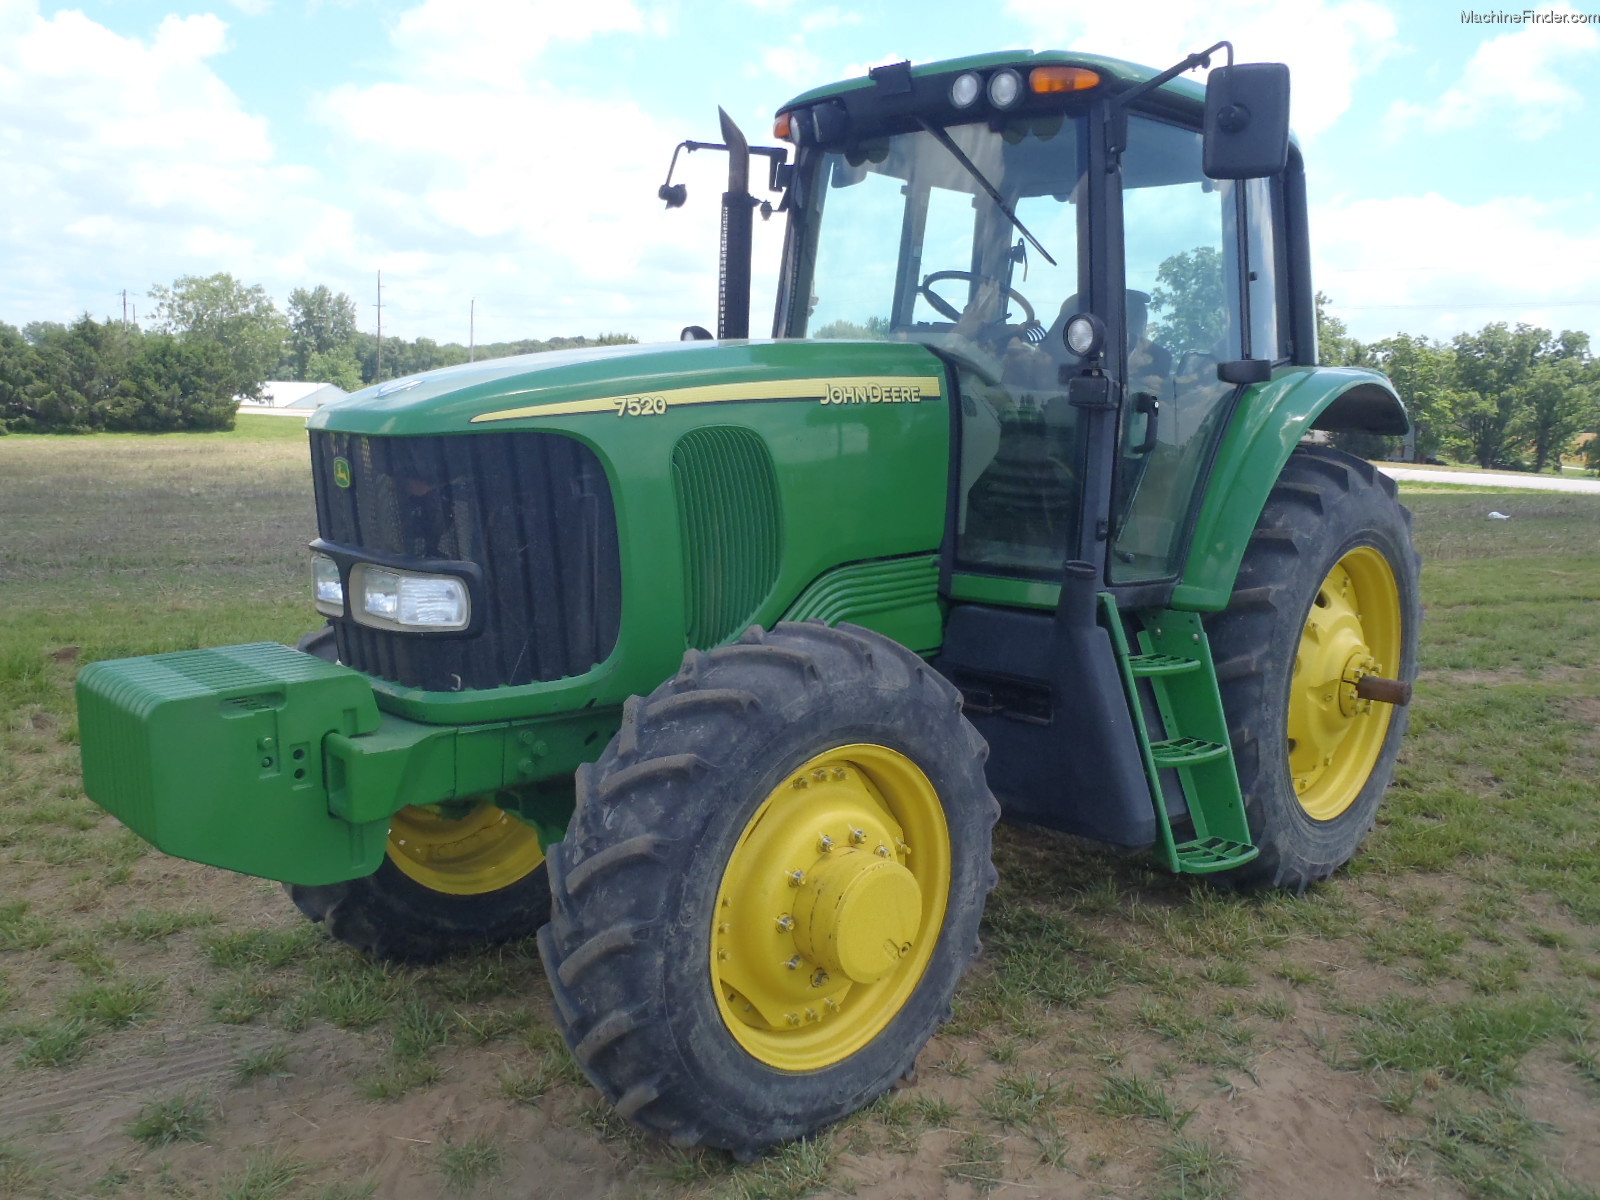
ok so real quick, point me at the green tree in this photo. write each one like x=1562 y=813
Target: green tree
x=242 y=320
x=1477 y=428
x=1189 y=307
x=19 y=379
x=1555 y=403
x=1422 y=371
x=321 y=322
x=876 y=329
x=1335 y=346
x=174 y=384
x=338 y=367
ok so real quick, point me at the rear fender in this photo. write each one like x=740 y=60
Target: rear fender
x=1269 y=422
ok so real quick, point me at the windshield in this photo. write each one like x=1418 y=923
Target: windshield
x=899 y=238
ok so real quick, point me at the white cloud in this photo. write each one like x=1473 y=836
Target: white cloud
x=539 y=201
x=1430 y=265
x=792 y=64
x=1328 y=44
x=498 y=40
x=1520 y=79
x=128 y=161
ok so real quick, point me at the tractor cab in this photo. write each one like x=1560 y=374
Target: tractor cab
x=980 y=206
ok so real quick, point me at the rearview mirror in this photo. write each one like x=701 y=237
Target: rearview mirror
x=1247 y=121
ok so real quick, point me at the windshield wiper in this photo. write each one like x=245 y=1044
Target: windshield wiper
x=945 y=140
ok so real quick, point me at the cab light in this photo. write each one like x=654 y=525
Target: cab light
x=326 y=586
x=404 y=600
x=1004 y=88
x=783 y=128
x=965 y=89
x=1045 y=80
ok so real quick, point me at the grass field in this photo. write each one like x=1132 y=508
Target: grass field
x=1426 y=1024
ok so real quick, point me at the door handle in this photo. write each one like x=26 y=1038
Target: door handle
x=1147 y=404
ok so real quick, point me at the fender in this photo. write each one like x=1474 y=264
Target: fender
x=1270 y=420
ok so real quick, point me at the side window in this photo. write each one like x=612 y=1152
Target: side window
x=1182 y=272
x=1266 y=339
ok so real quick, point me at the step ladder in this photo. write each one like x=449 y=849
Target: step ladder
x=1175 y=657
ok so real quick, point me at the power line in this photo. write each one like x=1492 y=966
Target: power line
x=1487 y=304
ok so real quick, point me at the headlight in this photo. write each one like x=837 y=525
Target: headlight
x=326 y=587
x=1004 y=88
x=388 y=599
x=965 y=89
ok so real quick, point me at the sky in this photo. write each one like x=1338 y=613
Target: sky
x=497 y=160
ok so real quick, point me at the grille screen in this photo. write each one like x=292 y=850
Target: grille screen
x=728 y=512
x=533 y=510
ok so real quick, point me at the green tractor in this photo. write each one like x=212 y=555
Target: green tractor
x=708 y=661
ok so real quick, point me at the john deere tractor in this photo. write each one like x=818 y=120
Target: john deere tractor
x=710 y=661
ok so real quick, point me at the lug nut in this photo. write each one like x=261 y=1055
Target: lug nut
x=796 y=877
x=857 y=836
x=824 y=843
x=820 y=978
x=794 y=1018
x=794 y=963
x=784 y=923
x=882 y=851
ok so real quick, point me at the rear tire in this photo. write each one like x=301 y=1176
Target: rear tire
x=483 y=881
x=1328 y=588
x=713 y=996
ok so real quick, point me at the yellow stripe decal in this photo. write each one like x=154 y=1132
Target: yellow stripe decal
x=855 y=389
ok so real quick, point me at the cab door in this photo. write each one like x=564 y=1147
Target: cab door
x=1182 y=237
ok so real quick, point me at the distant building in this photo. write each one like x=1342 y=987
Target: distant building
x=293 y=394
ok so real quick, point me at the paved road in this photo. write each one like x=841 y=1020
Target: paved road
x=1492 y=479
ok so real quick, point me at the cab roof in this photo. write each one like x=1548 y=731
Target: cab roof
x=1119 y=73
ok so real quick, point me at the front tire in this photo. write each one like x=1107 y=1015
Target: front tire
x=1327 y=592
x=452 y=878
x=771 y=886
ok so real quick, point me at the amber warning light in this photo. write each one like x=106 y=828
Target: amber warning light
x=1045 y=80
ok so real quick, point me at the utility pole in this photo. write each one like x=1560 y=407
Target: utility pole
x=472 y=330
x=124 y=306
x=377 y=371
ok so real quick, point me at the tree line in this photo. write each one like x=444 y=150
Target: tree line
x=1508 y=396
x=213 y=341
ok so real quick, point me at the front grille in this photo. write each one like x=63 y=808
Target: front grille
x=533 y=510
x=728 y=514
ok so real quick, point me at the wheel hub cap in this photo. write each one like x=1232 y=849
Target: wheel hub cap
x=858 y=915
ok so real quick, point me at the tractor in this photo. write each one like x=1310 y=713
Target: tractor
x=714 y=663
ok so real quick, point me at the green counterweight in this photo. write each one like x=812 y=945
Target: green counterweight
x=271 y=762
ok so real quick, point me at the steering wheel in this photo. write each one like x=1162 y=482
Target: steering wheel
x=949 y=311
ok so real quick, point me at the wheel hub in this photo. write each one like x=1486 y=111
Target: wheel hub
x=830 y=906
x=1352 y=630
x=480 y=851
x=858 y=915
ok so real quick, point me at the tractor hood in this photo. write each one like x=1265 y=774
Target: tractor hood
x=479 y=395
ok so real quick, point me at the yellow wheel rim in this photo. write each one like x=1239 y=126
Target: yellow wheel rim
x=830 y=907
x=1352 y=629
x=483 y=851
